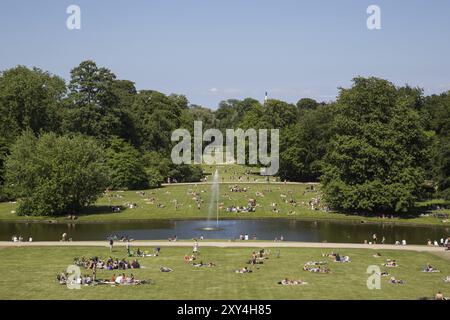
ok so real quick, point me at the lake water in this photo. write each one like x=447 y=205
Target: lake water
x=291 y=230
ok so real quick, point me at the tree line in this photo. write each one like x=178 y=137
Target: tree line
x=377 y=147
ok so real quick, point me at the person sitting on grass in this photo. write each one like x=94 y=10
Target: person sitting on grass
x=447 y=279
x=135 y=264
x=430 y=268
x=440 y=296
x=342 y=259
x=392 y=280
x=62 y=278
x=390 y=263
x=254 y=261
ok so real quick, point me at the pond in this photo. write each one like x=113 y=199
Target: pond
x=268 y=229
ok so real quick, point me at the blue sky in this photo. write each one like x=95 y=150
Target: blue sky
x=213 y=50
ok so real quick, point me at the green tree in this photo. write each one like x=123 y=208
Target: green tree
x=125 y=166
x=307 y=104
x=303 y=145
x=156 y=116
x=55 y=175
x=231 y=112
x=29 y=99
x=93 y=105
x=377 y=150
x=436 y=111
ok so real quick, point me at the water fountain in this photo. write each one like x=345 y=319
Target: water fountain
x=213 y=205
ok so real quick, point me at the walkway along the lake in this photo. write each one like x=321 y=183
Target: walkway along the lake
x=228 y=244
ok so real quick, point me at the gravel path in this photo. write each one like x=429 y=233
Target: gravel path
x=225 y=244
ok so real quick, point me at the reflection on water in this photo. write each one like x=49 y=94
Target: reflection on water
x=291 y=230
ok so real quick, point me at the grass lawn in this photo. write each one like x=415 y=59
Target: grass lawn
x=30 y=273
x=187 y=209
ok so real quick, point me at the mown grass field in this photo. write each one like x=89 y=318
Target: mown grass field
x=30 y=273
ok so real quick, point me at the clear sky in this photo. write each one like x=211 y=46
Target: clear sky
x=213 y=50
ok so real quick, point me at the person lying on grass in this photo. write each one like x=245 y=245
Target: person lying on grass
x=87 y=280
x=288 y=282
x=316 y=269
x=201 y=264
x=384 y=274
x=390 y=263
x=342 y=259
x=392 y=280
x=142 y=254
x=244 y=270
x=336 y=257
x=123 y=280
x=316 y=263
x=377 y=255
x=165 y=269
x=430 y=268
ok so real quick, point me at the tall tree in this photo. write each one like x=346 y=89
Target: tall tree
x=29 y=99
x=155 y=116
x=307 y=104
x=93 y=105
x=377 y=149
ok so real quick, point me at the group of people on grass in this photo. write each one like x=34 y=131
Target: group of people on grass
x=257 y=258
x=236 y=188
x=241 y=209
x=108 y=264
x=122 y=279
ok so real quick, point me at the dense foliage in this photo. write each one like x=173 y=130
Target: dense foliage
x=55 y=174
x=374 y=160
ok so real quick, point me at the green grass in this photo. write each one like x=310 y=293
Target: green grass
x=187 y=208
x=30 y=273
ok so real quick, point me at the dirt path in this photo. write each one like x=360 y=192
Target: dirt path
x=235 y=244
